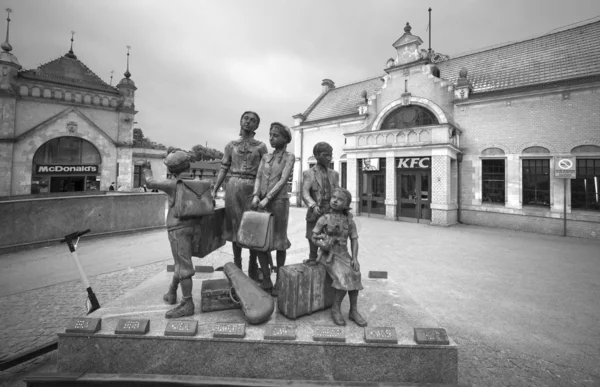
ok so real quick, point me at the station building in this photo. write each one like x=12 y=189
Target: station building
x=473 y=139
x=64 y=129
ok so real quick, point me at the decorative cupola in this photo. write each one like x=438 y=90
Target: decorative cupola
x=9 y=63
x=127 y=87
x=407 y=48
x=463 y=86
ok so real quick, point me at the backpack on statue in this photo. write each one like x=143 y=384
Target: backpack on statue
x=193 y=199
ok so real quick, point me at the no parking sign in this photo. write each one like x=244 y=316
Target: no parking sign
x=564 y=167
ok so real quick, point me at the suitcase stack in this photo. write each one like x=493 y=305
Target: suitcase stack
x=303 y=290
x=215 y=295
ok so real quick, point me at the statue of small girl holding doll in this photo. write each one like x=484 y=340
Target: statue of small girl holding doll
x=331 y=234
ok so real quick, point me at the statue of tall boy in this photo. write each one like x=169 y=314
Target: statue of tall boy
x=317 y=185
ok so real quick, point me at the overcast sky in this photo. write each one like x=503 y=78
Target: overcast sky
x=199 y=64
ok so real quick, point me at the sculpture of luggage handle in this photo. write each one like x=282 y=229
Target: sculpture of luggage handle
x=233 y=296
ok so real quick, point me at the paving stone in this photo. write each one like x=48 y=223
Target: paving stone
x=482 y=362
x=35 y=326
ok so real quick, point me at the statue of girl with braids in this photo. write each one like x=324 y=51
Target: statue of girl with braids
x=241 y=160
x=271 y=194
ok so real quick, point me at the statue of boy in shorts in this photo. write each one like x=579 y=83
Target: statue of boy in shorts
x=180 y=231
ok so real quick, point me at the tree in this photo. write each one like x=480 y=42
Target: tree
x=139 y=141
x=200 y=152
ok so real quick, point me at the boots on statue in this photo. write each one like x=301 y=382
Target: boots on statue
x=336 y=313
x=281 y=254
x=266 y=283
x=185 y=308
x=171 y=295
x=354 y=315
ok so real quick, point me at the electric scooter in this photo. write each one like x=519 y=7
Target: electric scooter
x=92 y=303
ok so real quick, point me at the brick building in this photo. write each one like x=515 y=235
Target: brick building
x=473 y=139
x=63 y=128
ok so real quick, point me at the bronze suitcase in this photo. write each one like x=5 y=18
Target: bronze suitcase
x=216 y=295
x=209 y=236
x=256 y=231
x=303 y=290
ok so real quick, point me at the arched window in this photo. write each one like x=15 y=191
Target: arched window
x=492 y=152
x=586 y=149
x=409 y=117
x=67 y=150
x=535 y=149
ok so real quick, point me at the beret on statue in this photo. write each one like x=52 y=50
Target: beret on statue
x=284 y=130
x=177 y=160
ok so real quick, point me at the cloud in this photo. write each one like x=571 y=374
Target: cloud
x=271 y=77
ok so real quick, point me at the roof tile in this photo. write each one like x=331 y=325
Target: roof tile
x=343 y=100
x=567 y=54
x=68 y=70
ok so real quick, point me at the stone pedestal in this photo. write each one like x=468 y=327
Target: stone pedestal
x=254 y=356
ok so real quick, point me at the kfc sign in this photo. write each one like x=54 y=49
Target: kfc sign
x=414 y=162
x=41 y=169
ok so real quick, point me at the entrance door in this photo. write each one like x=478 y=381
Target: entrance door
x=372 y=194
x=414 y=204
x=67 y=183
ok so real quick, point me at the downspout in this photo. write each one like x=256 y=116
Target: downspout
x=459 y=158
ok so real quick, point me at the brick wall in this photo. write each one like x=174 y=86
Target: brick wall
x=559 y=121
x=547 y=120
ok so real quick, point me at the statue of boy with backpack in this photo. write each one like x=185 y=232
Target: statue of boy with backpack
x=187 y=204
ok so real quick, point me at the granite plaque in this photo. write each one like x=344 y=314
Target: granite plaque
x=280 y=332
x=204 y=269
x=127 y=326
x=435 y=336
x=385 y=335
x=329 y=333
x=84 y=325
x=170 y=268
x=230 y=330
x=378 y=274
x=181 y=328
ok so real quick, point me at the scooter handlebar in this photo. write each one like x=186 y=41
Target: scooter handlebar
x=74 y=235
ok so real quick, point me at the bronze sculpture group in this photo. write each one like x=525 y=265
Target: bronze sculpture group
x=258 y=182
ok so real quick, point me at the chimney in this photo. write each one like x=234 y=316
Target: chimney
x=327 y=85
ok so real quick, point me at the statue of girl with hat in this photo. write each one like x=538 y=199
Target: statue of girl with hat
x=271 y=194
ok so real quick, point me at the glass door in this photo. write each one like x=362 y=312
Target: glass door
x=372 y=194
x=414 y=196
